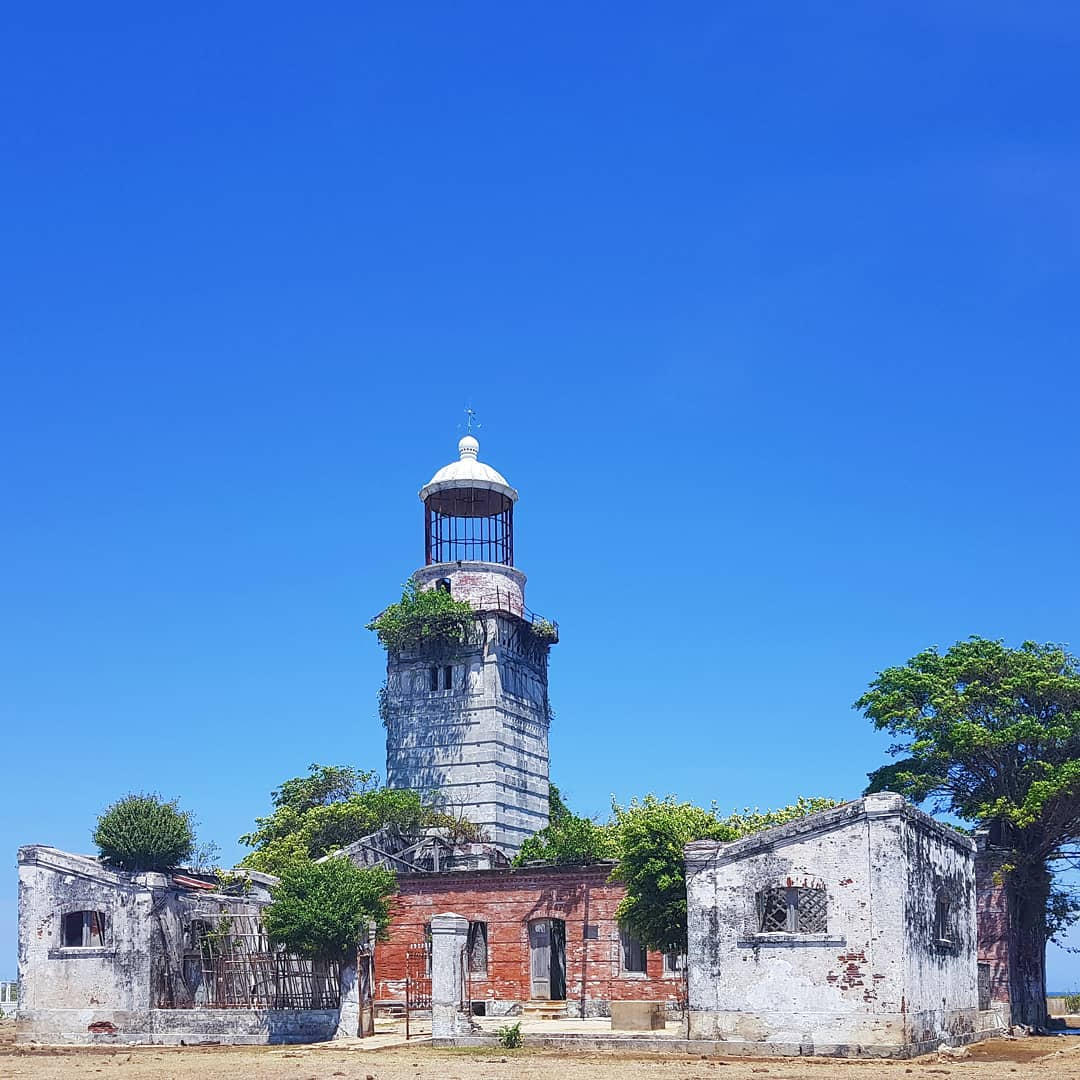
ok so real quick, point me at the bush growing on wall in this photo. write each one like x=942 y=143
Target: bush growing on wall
x=143 y=832
x=422 y=615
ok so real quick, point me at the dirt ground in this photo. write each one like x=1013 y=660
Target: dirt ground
x=1055 y=1058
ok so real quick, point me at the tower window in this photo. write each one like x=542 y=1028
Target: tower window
x=443 y=583
x=441 y=678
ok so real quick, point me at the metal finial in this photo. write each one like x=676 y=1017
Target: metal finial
x=471 y=423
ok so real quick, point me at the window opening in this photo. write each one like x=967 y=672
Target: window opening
x=943 y=911
x=674 y=962
x=83 y=930
x=633 y=955
x=792 y=911
x=433 y=678
x=448 y=678
x=478 y=948
x=443 y=583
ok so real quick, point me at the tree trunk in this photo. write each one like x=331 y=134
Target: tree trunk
x=1029 y=889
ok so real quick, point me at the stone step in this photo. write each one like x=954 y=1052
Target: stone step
x=542 y=1009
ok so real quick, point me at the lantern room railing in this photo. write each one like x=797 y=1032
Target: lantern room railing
x=469 y=525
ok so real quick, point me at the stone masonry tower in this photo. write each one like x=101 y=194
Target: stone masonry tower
x=467 y=722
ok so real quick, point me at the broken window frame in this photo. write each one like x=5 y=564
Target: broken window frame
x=90 y=924
x=793 y=903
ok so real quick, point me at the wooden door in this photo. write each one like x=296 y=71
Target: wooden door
x=540 y=958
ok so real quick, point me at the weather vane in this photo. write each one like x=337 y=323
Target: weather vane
x=471 y=423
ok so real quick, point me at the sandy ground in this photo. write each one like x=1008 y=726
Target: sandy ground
x=1052 y=1058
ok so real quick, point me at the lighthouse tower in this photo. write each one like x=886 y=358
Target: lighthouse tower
x=467 y=721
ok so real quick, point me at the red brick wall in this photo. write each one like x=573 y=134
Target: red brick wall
x=992 y=913
x=507 y=900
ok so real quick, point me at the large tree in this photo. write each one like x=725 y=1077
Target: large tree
x=992 y=734
x=332 y=806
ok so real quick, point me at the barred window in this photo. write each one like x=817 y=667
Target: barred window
x=792 y=911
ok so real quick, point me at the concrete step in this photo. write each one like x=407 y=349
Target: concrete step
x=541 y=1009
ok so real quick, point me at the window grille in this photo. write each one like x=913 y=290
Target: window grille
x=792 y=911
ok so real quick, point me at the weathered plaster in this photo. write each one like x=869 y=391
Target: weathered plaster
x=878 y=980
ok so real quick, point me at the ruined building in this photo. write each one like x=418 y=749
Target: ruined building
x=107 y=956
x=848 y=931
x=467 y=723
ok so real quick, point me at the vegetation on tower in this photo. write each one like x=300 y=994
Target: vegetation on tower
x=422 y=615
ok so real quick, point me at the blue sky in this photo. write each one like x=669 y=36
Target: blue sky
x=769 y=313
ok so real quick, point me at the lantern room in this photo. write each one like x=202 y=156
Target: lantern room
x=468 y=512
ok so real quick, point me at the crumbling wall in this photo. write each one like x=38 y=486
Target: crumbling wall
x=77 y=988
x=113 y=991
x=877 y=980
x=808 y=992
x=507 y=900
x=941 y=976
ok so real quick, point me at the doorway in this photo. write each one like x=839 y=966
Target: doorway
x=547 y=959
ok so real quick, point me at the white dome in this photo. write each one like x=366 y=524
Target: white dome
x=467 y=472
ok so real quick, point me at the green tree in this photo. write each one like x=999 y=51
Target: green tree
x=572 y=841
x=568 y=839
x=143 y=832
x=992 y=734
x=331 y=807
x=650 y=836
x=322 y=910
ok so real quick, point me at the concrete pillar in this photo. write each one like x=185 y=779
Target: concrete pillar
x=356 y=1016
x=449 y=934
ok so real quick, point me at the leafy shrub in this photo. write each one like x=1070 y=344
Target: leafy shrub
x=143 y=832
x=430 y=615
x=322 y=910
x=510 y=1037
x=545 y=631
x=1072 y=1003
